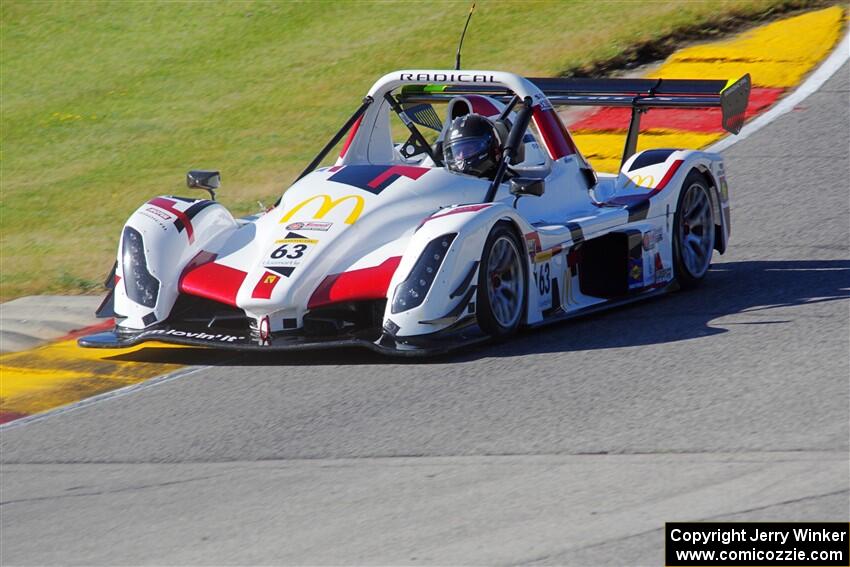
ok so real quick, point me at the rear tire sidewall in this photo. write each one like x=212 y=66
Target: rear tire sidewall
x=484 y=312
x=684 y=277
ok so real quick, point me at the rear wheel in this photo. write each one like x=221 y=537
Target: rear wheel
x=693 y=231
x=501 y=282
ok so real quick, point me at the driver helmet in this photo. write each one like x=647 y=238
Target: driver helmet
x=472 y=146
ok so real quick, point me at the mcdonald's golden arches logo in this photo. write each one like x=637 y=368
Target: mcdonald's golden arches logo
x=328 y=203
x=643 y=181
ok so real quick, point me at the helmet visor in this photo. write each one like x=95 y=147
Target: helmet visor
x=467 y=148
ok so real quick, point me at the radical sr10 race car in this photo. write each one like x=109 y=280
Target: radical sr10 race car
x=390 y=249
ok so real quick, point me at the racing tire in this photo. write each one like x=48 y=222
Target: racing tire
x=693 y=231
x=502 y=282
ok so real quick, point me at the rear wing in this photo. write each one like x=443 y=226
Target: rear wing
x=731 y=97
x=641 y=95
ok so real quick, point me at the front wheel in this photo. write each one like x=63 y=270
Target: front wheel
x=693 y=231
x=501 y=282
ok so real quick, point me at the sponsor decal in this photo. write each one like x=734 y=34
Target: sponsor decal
x=538 y=256
x=158 y=212
x=635 y=272
x=289 y=251
x=532 y=242
x=192 y=335
x=547 y=255
x=539 y=99
x=635 y=269
x=311 y=225
x=651 y=238
x=155 y=218
x=641 y=181
x=447 y=77
x=264 y=287
x=375 y=178
x=662 y=274
x=296 y=240
x=327 y=204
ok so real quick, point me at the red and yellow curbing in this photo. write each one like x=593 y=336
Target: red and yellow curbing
x=60 y=373
x=777 y=56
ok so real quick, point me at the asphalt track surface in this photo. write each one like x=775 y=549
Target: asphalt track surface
x=569 y=445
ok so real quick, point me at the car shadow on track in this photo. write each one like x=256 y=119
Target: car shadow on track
x=752 y=287
x=755 y=288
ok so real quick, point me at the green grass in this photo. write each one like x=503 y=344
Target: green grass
x=106 y=104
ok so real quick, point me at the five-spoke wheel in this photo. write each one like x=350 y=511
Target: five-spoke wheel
x=693 y=231
x=501 y=282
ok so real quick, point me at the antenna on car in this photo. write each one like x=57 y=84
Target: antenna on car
x=460 y=45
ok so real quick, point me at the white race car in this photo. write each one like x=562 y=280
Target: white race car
x=399 y=249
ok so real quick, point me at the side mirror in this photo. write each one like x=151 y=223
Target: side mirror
x=526 y=186
x=201 y=179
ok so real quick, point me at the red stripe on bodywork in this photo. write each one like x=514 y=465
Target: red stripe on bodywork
x=455 y=211
x=693 y=120
x=410 y=171
x=351 y=134
x=168 y=205
x=356 y=285
x=458 y=210
x=668 y=176
x=557 y=140
x=213 y=281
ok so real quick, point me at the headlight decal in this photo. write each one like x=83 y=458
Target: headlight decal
x=411 y=292
x=140 y=285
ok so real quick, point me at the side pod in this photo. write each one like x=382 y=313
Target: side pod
x=449 y=297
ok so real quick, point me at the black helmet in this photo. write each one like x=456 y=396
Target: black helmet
x=472 y=146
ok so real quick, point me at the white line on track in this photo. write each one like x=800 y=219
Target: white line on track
x=110 y=395
x=827 y=69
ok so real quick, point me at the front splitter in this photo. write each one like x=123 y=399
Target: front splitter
x=385 y=344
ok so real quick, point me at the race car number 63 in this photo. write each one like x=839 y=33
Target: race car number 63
x=283 y=251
